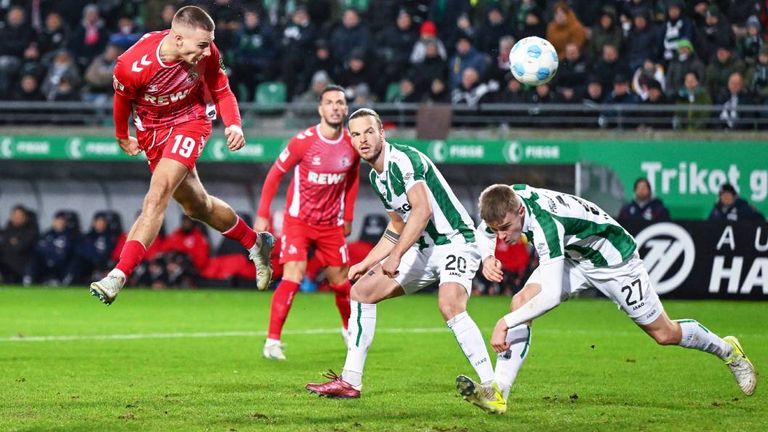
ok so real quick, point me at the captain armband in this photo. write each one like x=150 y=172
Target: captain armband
x=391 y=236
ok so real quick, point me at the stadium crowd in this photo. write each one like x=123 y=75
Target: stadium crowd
x=649 y=52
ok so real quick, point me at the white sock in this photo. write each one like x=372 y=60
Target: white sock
x=697 y=336
x=508 y=362
x=471 y=342
x=362 y=325
x=117 y=272
x=272 y=342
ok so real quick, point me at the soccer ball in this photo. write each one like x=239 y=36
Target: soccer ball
x=533 y=61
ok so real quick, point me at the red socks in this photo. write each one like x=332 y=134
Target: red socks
x=242 y=233
x=281 y=305
x=342 y=300
x=131 y=255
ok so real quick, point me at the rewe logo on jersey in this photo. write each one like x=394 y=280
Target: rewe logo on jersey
x=166 y=99
x=325 y=178
x=665 y=243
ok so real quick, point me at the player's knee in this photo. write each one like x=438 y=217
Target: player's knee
x=450 y=308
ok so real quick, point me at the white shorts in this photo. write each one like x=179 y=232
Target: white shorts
x=627 y=284
x=446 y=263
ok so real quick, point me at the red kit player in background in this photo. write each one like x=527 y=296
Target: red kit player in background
x=165 y=79
x=318 y=210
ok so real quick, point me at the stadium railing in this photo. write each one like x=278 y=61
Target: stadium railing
x=525 y=115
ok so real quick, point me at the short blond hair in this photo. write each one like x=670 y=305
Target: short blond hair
x=496 y=201
x=193 y=17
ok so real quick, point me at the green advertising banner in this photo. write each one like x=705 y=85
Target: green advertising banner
x=686 y=175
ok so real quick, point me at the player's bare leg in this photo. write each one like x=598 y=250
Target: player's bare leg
x=282 y=300
x=508 y=362
x=165 y=179
x=452 y=301
x=370 y=289
x=217 y=214
x=337 y=278
x=690 y=334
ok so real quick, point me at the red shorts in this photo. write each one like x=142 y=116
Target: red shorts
x=183 y=143
x=329 y=242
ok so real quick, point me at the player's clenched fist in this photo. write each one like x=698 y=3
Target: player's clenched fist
x=129 y=145
x=235 y=137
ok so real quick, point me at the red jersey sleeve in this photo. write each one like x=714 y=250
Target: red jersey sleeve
x=218 y=85
x=352 y=187
x=125 y=92
x=289 y=158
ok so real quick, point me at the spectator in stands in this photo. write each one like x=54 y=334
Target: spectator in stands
x=406 y=93
x=28 y=90
x=128 y=33
x=686 y=61
x=254 y=55
x=95 y=251
x=621 y=94
x=733 y=115
x=89 y=38
x=15 y=36
x=98 y=76
x=321 y=61
x=351 y=35
x=609 y=66
x=427 y=36
x=500 y=67
x=649 y=71
x=438 y=92
x=730 y=207
x=55 y=254
x=298 y=39
x=17 y=243
x=656 y=117
x=431 y=68
x=642 y=43
x=65 y=70
x=750 y=45
x=463 y=27
x=356 y=71
x=694 y=95
x=445 y=14
x=190 y=240
x=511 y=93
x=54 y=36
x=720 y=70
x=566 y=95
x=572 y=71
x=644 y=206
x=677 y=27
x=529 y=21
x=32 y=63
x=605 y=32
x=393 y=50
x=466 y=57
x=493 y=29
x=716 y=32
x=471 y=90
x=319 y=82
x=565 y=27
x=757 y=80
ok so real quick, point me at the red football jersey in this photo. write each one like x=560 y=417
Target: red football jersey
x=323 y=172
x=165 y=95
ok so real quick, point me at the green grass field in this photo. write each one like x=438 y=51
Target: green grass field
x=191 y=360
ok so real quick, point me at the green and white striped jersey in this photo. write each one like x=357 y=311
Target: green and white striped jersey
x=563 y=225
x=405 y=166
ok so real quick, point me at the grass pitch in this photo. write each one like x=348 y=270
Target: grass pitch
x=191 y=360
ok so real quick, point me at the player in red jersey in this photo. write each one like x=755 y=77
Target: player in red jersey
x=319 y=209
x=166 y=79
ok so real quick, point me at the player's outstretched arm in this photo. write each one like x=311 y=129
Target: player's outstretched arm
x=121 y=110
x=382 y=249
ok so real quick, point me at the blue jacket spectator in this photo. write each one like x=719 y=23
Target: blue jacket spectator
x=55 y=254
x=642 y=43
x=730 y=207
x=466 y=57
x=128 y=33
x=96 y=248
x=644 y=206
